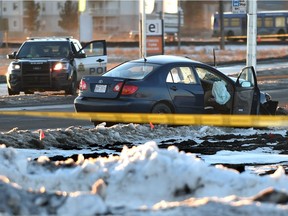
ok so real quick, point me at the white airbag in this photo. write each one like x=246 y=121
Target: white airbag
x=220 y=92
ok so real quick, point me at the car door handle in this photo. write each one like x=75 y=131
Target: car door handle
x=100 y=60
x=174 y=88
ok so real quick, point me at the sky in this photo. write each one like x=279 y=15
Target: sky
x=141 y=179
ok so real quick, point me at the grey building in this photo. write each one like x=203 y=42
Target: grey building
x=114 y=18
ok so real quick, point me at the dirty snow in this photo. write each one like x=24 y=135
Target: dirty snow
x=139 y=179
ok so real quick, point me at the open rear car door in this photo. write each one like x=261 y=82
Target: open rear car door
x=247 y=93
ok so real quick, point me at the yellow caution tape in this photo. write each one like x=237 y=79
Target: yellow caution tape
x=170 y=119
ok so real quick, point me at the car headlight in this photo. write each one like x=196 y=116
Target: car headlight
x=14 y=66
x=60 y=66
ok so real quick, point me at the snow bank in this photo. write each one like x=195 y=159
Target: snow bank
x=142 y=179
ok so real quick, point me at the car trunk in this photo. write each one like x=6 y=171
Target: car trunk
x=102 y=87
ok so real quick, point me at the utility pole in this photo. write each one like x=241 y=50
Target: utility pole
x=221 y=18
x=143 y=30
x=251 y=57
x=179 y=26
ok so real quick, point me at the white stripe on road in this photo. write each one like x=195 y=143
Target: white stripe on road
x=49 y=107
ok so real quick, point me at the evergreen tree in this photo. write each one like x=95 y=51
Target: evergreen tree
x=31 y=11
x=69 y=16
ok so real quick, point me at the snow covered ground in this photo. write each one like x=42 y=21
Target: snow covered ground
x=132 y=169
x=53 y=172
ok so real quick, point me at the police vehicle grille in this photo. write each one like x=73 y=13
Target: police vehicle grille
x=36 y=75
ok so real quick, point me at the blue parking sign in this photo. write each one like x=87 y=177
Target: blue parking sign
x=239 y=6
x=235 y=3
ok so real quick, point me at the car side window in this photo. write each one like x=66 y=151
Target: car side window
x=95 y=49
x=181 y=75
x=187 y=75
x=206 y=75
x=246 y=78
x=215 y=87
x=173 y=76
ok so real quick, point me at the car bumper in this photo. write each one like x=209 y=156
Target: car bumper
x=82 y=104
x=55 y=82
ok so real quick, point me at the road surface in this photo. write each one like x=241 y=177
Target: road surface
x=35 y=123
x=272 y=78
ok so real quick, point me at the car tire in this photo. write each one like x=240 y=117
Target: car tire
x=281 y=111
x=72 y=90
x=11 y=92
x=161 y=108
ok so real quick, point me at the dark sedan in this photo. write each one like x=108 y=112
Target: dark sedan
x=172 y=84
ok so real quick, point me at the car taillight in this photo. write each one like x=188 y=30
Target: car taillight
x=118 y=87
x=127 y=89
x=82 y=85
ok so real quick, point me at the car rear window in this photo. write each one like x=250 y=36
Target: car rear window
x=132 y=70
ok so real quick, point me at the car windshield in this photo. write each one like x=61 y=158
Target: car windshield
x=132 y=70
x=44 y=49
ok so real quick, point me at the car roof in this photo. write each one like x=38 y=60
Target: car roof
x=166 y=59
x=49 y=39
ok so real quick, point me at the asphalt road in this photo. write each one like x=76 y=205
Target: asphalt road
x=273 y=81
x=36 y=123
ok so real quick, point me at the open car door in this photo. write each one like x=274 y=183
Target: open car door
x=91 y=59
x=247 y=94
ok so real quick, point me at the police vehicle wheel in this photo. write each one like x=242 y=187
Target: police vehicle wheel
x=11 y=92
x=72 y=89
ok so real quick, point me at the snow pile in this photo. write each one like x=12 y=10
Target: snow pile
x=82 y=137
x=145 y=180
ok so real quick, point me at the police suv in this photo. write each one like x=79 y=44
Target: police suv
x=54 y=64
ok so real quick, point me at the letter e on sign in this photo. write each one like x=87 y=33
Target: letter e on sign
x=153 y=27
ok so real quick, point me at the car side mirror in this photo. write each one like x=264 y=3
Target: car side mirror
x=79 y=55
x=245 y=84
x=12 y=55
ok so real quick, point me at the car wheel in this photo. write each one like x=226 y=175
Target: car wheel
x=73 y=87
x=11 y=92
x=281 y=111
x=161 y=108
